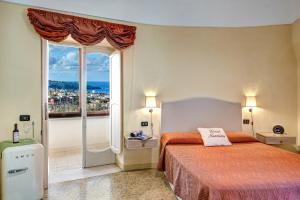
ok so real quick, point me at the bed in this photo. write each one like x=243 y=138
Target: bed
x=245 y=170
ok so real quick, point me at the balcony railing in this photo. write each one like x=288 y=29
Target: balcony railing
x=71 y=109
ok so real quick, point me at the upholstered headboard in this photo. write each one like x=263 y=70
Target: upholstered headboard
x=188 y=115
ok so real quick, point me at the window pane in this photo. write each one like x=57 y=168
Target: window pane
x=97 y=83
x=64 y=77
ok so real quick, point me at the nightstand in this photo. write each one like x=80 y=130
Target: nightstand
x=139 y=144
x=271 y=138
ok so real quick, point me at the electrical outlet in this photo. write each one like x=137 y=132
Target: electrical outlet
x=246 y=121
x=144 y=123
x=24 y=118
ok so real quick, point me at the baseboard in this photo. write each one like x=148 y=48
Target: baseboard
x=139 y=166
x=119 y=164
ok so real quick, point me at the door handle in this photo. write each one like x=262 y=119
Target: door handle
x=46 y=111
x=17 y=171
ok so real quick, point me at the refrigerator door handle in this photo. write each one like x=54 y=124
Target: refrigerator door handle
x=17 y=171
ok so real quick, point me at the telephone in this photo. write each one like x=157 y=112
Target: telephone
x=138 y=135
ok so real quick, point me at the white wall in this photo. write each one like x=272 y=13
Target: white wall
x=20 y=70
x=65 y=133
x=296 y=45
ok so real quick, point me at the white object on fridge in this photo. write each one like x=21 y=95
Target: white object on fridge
x=22 y=172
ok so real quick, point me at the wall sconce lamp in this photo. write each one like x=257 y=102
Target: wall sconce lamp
x=251 y=103
x=151 y=103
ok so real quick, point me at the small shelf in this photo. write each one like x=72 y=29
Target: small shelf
x=139 y=144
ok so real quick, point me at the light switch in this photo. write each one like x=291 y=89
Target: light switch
x=145 y=123
x=246 y=121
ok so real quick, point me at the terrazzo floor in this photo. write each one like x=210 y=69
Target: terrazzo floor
x=66 y=165
x=133 y=185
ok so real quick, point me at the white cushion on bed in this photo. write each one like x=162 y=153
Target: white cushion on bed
x=214 y=137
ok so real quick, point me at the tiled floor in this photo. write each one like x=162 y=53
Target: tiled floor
x=65 y=160
x=135 y=185
x=61 y=162
x=67 y=166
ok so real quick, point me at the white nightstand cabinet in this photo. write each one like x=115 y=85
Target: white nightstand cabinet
x=139 y=144
x=271 y=138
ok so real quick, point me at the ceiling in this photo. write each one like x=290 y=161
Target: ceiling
x=216 y=13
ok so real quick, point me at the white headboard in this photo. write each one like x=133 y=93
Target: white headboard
x=190 y=114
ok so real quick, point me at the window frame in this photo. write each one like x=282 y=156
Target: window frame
x=83 y=50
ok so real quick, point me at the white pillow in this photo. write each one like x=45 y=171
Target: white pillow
x=214 y=137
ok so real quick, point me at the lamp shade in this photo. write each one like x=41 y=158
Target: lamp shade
x=251 y=101
x=150 y=102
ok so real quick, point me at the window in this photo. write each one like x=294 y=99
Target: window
x=97 y=76
x=64 y=81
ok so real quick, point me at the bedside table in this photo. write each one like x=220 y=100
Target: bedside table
x=271 y=138
x=139 y=144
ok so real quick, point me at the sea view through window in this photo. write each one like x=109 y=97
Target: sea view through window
x=64 y=82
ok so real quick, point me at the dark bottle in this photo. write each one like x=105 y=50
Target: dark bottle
x=16 y=134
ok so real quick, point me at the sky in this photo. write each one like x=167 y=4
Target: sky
x=64 y=64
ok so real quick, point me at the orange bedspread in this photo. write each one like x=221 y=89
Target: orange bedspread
x=194 y=138
x=247 y=170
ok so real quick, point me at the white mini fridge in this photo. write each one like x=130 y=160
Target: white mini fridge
x=22 y=172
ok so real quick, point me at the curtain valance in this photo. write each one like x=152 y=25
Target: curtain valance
x=56 y=27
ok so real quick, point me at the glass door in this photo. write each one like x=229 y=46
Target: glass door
x=96 y=108
x=91 y=94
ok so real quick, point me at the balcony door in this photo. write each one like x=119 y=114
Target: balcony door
x=100 y=85
x=94 y=96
